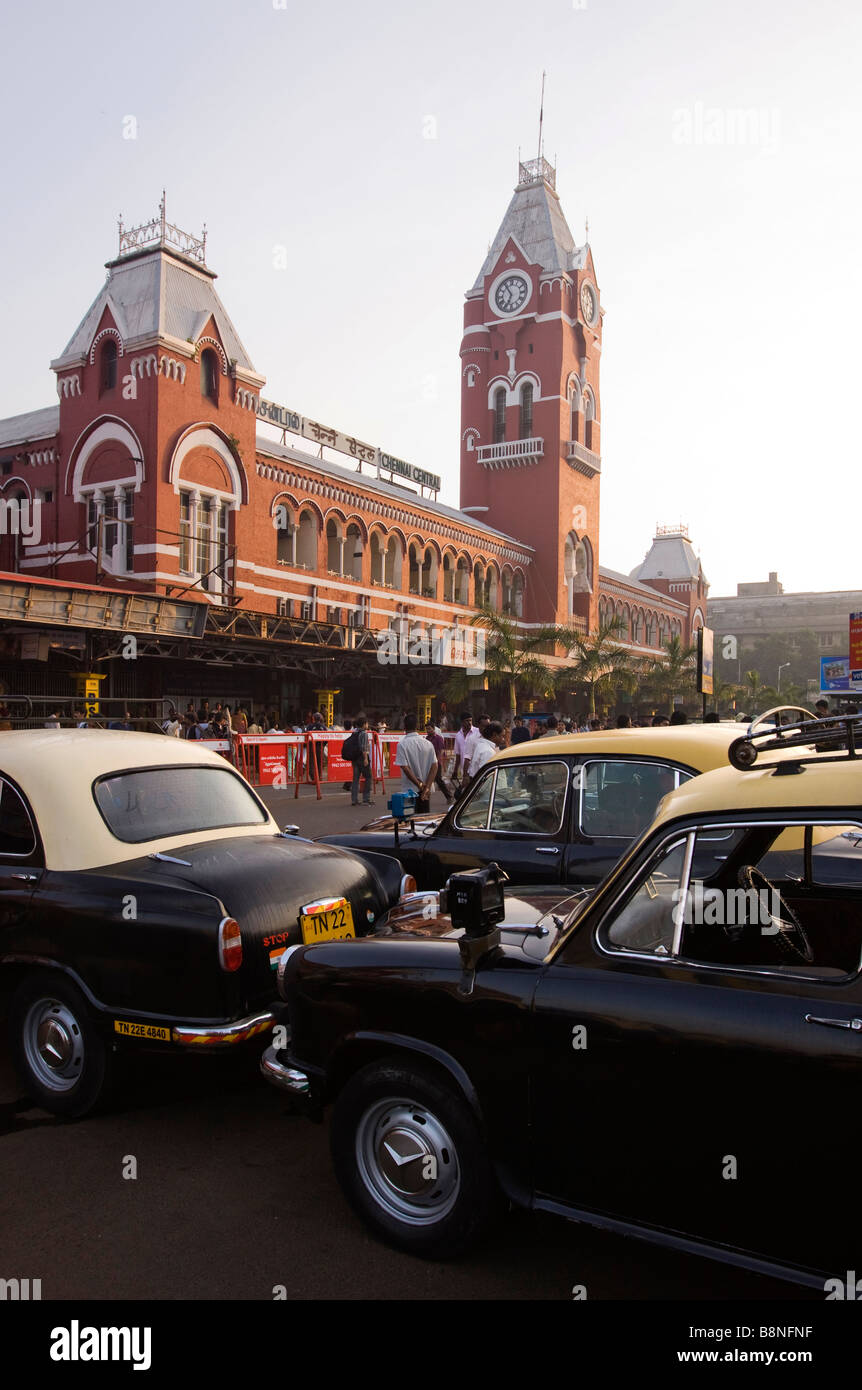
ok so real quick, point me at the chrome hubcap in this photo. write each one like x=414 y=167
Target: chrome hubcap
x=407 y=1161
x=53 y=1044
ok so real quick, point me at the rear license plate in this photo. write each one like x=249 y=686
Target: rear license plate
x=332 y=922
x=142 y=1030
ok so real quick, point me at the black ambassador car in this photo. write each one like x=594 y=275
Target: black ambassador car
x=555 y=810
x=676 y=1054
x=146 y=895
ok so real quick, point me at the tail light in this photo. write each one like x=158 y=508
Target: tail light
x=229 y=944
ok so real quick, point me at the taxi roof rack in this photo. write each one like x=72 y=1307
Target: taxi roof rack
x=841 y=732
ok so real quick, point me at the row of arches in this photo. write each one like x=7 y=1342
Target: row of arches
x=338 y=543
x=643 y=627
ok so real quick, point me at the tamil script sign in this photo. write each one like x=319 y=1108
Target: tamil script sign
x=344 y=443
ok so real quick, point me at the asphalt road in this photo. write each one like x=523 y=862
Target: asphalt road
x=234 y=1195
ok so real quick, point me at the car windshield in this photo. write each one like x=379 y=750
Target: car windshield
x=157 y=802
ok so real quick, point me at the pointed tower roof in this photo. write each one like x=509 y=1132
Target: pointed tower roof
x=536 y=220
x=158 y=288
x=671 y=556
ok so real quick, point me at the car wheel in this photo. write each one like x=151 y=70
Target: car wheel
x=59 y=1056
x=411 y=1160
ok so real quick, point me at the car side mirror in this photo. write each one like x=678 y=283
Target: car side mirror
x=290 y=830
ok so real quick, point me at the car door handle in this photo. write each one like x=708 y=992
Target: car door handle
x=854 y=1023
x=547 y=849
x=28 y=878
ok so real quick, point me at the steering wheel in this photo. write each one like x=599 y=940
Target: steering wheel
x=791 y=933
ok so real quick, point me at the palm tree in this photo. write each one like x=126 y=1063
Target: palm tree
x=674 y=671
x=513 y=660
x=598 y=663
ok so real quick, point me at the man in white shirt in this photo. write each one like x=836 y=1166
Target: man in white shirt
x=465 y=746
x=489 y=744
x=418 y=761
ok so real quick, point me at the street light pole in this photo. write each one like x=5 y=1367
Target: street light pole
x=783 y=667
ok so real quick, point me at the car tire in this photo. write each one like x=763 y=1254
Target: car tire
x=411 y=1160
x=60 y=1058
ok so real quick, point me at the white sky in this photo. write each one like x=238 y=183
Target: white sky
x=728 y=267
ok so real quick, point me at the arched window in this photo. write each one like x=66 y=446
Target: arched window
x=286 y=535
x=519 y=596
x=589 y=418
x=489 y=596
x=377 y=554
x=306 y=541
x=108 y=366
x=353 y=552
x=526 y=416
x=209 y=375
x=394 y=555
x=414 y=583
x=574 y=408
x=448 y=579
x=499 y=416
x=334 y=547
x=507 y=591
x=462 y=582
x=478 y=584
x=429 y=573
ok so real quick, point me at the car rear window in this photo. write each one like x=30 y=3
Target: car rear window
x=155 y=803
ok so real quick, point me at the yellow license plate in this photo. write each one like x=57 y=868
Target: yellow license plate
x=142 y=1030
x=334 y=922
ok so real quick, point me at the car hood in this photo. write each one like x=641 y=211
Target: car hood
x=533 y=921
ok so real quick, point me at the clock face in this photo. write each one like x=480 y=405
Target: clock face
x=588 y=302
x=511 y=294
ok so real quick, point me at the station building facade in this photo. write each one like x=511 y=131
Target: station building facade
x=164 y=471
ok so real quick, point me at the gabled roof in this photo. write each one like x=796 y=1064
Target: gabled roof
x=36 y=424
x=536 y=220
x=157 y=294
x=669 y=557
x=654 y=595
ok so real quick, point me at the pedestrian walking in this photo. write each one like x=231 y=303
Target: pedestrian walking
x=436 y=741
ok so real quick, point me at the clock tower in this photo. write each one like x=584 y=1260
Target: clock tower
x=530 y=406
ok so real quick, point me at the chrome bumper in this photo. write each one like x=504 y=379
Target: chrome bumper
x=222 y=1035
x=286 y=1078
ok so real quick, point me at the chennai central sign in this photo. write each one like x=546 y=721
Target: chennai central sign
x=286 y=419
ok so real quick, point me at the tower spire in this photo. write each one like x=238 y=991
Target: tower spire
x=541 y=115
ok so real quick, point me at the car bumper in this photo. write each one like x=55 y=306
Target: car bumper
x=287 y=1078
x=224 y=1034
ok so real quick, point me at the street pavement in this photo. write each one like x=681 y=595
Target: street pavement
x=333 y=813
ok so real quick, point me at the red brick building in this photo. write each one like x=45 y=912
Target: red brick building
x=156 y=473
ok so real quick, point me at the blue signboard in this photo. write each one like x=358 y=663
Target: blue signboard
x=834 y=674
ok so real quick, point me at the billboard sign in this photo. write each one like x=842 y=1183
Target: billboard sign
x=705 y=665
x=856 y=651
x=834 y=674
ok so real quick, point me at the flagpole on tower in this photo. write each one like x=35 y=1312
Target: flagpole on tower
x=541 y=114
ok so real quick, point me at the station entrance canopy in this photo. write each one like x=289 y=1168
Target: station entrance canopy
x=51 y=603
